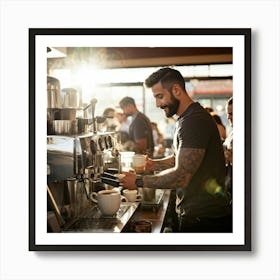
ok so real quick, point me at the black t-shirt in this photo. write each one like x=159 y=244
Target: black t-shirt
x=141 y=128
x=204 y=196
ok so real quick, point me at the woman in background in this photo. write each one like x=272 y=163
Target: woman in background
x=221 y=127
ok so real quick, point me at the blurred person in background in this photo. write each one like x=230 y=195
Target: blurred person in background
x=111 y=123
x=220 y=125
x=140 y=129
x=124 y=125
x=228 y=145
x=209 y=109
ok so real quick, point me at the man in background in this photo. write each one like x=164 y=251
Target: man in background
x=228 y=145
x=140 y=129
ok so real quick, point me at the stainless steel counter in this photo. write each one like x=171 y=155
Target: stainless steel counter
x=154 y=212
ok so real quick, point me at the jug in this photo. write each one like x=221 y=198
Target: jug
x=53 y=93
x=71 y=98
x=78 y=197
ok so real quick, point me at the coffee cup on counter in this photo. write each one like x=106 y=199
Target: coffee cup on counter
x=139 y=163
x=108 y=201
x=132 y=195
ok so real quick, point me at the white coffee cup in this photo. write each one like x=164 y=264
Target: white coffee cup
x=139 y=163
x=108 y=201
x=132 y=195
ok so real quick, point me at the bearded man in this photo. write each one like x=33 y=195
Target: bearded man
x=196 y=171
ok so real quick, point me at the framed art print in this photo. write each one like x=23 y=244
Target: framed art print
x=76 y=161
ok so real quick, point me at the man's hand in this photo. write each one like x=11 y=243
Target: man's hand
x=129 y=180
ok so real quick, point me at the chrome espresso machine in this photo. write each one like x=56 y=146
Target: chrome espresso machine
x=80 y=159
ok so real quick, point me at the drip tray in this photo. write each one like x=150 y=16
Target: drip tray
x=94 y=221
x=95 y=213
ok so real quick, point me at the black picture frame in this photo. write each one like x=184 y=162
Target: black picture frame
x=34 y=34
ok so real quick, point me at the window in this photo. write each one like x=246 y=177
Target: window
x=109 y=86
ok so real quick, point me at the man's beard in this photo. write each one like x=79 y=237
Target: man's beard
x=171 y=108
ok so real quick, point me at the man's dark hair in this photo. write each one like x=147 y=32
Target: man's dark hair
x=127 y=101
x=167 y=76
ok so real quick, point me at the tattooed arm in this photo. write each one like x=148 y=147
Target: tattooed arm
x=160 y=164
x=187 y=163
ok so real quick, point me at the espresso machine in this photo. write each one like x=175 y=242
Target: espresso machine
x=80 y=159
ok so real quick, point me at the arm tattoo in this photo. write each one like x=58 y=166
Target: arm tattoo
x=186 y=164
x=165 y=163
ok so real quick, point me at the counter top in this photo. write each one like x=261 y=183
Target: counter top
x=129 y=212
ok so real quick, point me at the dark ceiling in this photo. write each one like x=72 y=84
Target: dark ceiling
x=113 y=57
x=169 y=52
x=146 y=53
